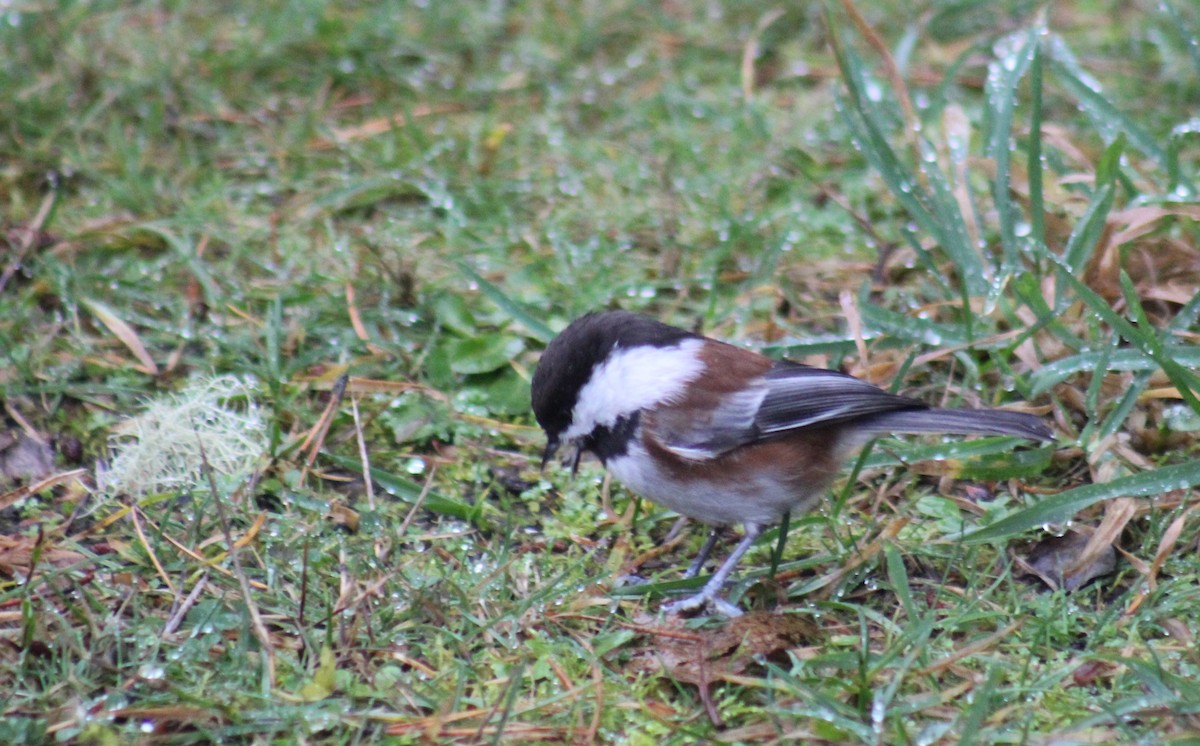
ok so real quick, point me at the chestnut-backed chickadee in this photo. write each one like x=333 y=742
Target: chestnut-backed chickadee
x=719 y=433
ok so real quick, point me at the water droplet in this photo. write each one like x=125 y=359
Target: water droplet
x=151 y=671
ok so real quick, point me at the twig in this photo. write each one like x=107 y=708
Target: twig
x=177 y=618
x=316 y=436
x=362 y=453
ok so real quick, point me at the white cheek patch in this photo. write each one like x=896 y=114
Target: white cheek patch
x=632 y=379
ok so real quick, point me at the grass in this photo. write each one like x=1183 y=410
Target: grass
x=978 y=203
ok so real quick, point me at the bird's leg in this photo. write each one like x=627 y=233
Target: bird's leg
x=698 y=563
x=710 y=594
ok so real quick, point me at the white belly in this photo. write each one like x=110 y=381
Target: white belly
x=762 y=500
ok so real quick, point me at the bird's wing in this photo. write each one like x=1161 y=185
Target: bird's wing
x=800 y=397
x=787 y=397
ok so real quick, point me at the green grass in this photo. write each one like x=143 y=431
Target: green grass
x=192 y=190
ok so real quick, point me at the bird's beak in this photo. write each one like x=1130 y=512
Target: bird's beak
x=551 y=449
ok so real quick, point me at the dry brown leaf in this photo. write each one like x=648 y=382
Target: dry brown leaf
x=125 y=333
x=1139 y=221
x=1052 y=560
x=1098 y=556
x=16 y=553
x=707 y=655
x=1166 y=545
x=344 y=516
x=23 y=457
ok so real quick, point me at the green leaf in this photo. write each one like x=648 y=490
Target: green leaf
x=452 y=312
x=484 y=353
x=504 y=392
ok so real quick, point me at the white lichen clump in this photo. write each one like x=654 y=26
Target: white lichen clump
x=165 y=448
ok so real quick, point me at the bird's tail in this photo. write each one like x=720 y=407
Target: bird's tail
x=958 y=422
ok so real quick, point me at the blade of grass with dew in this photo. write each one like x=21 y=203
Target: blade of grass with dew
x=939 y=218
x=1001 y=93
x=409 y=491
x=898 y=578
x=972 y=728
x=1186 y=36
x=1188 y=356
x=1126 y=359
x=1185 y=380
x=515 y=310
x=1104 y=115
x=1179 y=185
x=1082 y=241
x=834 y=345
x=1062 y=506
x=909 y=329
x=1091 y=396
x=962 y=251
x=1145 y=339
x=1033 y=158
x=1028 y=290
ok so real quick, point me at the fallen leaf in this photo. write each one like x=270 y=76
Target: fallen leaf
x=706 y=655
x=1056 y=560
x=24 y=457
x=125 y=333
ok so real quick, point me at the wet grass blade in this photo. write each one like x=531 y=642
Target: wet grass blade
x=1082 y=242
x=515 y=310
x=1143 y=336
x=1062 y=506
x=1003 y=81
x=409 y=491
x=936 y=211
x=1104 y=115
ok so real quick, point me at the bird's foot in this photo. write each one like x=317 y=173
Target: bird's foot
x=704 y=599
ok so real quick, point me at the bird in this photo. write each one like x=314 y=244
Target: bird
x=720 y=433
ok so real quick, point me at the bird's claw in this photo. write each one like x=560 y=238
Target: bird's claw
x=703 y=599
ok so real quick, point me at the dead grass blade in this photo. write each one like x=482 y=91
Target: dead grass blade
x=125 y=333
x=14 y=496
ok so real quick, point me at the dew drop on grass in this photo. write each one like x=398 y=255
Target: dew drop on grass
x=415 y=465
x=151 y=671
x=878 y=709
